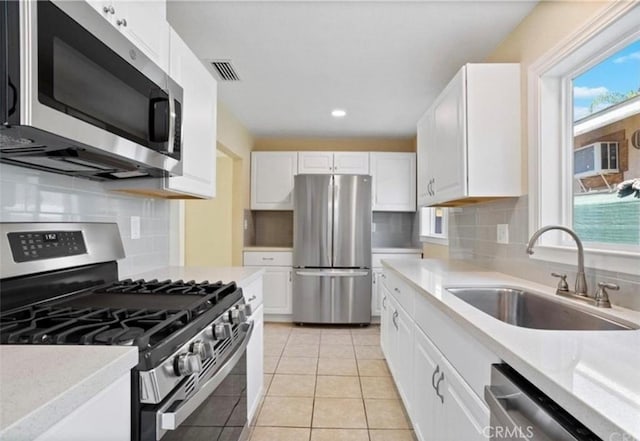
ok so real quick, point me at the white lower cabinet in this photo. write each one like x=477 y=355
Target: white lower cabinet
x=440 y=402
x=397 y=334
x=444 y=407
x=253 y=294
x=376 y=292
x=255 y=367
x=385 y=322
x=105 y=417
x=277 y=279
x=278 y=288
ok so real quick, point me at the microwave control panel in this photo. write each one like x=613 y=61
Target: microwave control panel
x=30 y=246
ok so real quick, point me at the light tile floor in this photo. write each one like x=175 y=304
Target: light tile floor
x=328 y=384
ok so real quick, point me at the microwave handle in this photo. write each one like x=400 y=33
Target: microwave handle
x=172 y=123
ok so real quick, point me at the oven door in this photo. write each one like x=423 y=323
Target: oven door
x=85 y=81
x=217 y=410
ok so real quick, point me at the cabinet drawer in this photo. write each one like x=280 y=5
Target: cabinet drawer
x=470 y=357
x=268 y=258
x=400 y=290
x=376 y=258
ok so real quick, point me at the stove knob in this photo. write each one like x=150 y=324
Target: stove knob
x=237 y=316
x=187 y=364
x=203 y=349
x=246 y=308
x=221 y=331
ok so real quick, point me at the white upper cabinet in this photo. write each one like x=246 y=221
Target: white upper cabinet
x=315 y=163
x=198 y=123
x=394 y=181
x=469 y=139
x=424 y=131
x=272 y=180
x=144 y=23
x=351 y=163
x=356 y=163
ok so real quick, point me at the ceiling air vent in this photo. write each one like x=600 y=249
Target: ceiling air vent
x=225 y=70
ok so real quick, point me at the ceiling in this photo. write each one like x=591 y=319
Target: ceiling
x=383 y=62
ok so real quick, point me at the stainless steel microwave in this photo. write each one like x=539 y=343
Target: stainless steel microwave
x=79 y=98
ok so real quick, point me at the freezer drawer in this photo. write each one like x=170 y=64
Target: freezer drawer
x=332 y=296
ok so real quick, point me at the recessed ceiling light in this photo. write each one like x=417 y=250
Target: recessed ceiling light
x=338 y=113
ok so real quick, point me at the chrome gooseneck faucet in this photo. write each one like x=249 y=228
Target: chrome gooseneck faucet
x=581 y=280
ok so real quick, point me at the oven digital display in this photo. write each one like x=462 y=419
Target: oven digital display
x=35 y=245
x=50 y=237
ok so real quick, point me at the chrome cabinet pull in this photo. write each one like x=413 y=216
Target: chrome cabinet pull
x=441 y=379
x=267 y=258
x=384 y=302
x=433 y=376
x=393 y=319
x=122 y=22
x=108 y=9
x=290 y=275
x=396 y=289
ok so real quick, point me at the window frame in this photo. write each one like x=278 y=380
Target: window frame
x=550 y=111
x=427 y=226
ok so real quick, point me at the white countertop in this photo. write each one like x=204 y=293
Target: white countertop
x=242 y=275
x=377 y=250
x=594 y=375
x=396 y=251
x=268 y=249
x=40 y=385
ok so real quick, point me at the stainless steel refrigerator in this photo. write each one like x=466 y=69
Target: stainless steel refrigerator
x=332 y=249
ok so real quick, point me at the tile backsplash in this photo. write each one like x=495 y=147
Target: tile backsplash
x=395 y=230
x=472 y=236
x=28 y=195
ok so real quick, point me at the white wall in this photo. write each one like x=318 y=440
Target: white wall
x=28 y=195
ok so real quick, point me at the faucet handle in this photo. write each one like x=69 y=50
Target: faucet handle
x=602 y=298
x=562 y=283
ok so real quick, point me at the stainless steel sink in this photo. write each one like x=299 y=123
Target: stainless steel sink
x=528 y=310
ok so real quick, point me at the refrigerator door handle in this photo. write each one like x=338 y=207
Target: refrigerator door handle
x=333 y=273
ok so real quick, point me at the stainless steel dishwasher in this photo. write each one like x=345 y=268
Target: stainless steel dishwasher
x=520 y=411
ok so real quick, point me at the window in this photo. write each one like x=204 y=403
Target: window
x=434 y=225
x=606 y=113
x=583 y=105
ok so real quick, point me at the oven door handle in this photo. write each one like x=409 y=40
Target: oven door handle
x=170 y=420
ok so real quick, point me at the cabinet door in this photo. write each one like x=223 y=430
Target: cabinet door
x=277 y=290
x=88 y=421
x=465 y=415
x=394 y=181
x=351 y=163
x=427 y=157
x=145 y=24
x=404 y=355
x=272 y=180
x=198 y=123
x=449 y=143
x=376 y=294
x=315 y=163
x=255 y=368
x=385 y=322
x=426 y=406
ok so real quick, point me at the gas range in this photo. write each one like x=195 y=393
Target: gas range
x=190 y=335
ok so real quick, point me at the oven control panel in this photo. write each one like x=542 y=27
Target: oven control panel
x=29 y=246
